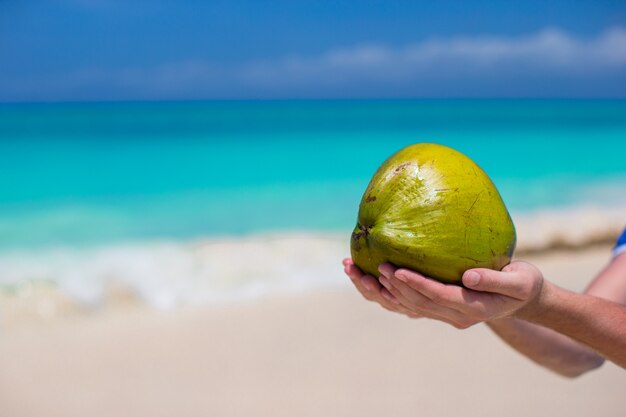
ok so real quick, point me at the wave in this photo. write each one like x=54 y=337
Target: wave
x=169 y=274
x=573 y=228
x=166 y=274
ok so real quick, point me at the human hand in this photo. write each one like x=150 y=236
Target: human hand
x=488 y=294
x=371 y=290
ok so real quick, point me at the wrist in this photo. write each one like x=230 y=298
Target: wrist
x=499 y=321
x=540 y=304
x=500 y=324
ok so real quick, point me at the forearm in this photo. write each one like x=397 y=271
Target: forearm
x=546 y=347
x=592 y=321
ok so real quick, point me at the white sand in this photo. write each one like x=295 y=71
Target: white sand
x=326 y=353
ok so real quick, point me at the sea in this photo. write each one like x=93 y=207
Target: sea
x=92 y=193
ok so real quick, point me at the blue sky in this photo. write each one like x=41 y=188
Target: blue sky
x=60 y=50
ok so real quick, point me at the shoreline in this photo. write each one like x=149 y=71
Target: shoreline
x=47 y=284
x=41 y=304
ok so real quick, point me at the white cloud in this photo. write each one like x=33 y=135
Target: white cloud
x=549 y=50
x=473 y=65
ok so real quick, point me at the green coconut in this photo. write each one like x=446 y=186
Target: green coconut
x=431 y=209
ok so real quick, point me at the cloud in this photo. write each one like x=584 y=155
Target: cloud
x=547 y=63
x=550 y=50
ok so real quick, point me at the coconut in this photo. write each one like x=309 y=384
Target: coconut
x=432 y=209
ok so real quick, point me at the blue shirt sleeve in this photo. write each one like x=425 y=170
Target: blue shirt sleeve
x=620 y=245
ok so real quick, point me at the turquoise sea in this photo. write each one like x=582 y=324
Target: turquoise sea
x=91 y=173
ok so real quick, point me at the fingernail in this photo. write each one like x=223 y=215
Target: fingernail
x=385 y=281
x=400 y=276
x=471 y=278
x=382 y=270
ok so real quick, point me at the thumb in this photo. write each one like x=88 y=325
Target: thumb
x=507 y=283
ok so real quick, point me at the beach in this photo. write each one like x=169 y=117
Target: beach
x=315 y=351
x=187 y=260
x=181 y=184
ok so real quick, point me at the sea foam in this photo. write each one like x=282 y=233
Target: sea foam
x=167 y=274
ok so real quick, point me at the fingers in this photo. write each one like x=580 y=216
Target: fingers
x=371 y=290
x=487 y=294
x=402 y=292
x=516 y=280
x=450 y=296
x=351 y=269
x=364 y=283
x=418 y=302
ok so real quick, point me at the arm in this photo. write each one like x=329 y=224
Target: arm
x=518 y=291
x=554 y=350
x=546 y=347
x=593 y=321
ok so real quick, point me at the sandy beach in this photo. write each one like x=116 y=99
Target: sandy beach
x=321 y=352
x=180 y=183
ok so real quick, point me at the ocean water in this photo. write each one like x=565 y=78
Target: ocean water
x=78 y=177
x=76 y=174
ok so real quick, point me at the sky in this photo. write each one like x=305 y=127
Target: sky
x=90 y=50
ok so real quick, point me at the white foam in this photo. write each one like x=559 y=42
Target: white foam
x=167 y=274
x=574 y=226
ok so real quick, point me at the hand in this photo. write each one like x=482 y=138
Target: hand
x=371 y=290
x=488 y=295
